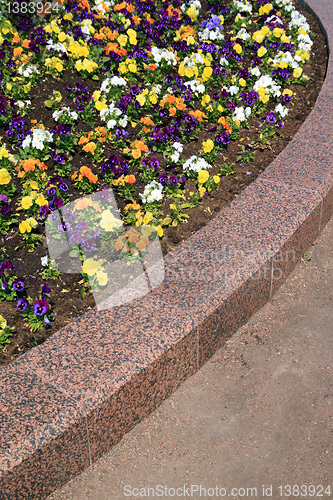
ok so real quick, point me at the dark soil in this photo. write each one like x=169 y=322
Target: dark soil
x=66 y=291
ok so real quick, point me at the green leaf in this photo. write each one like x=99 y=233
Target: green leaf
x=73 y=253
x=95 y=77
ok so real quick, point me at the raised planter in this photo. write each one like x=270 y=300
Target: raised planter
x=68 y=401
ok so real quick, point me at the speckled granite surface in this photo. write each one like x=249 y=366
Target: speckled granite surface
x=66 y=402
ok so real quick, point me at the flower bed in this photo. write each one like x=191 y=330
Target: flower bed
x=145 y=99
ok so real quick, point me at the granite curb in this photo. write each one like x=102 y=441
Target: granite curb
x=68 y=401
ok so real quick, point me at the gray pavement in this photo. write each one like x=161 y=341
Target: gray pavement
x=257 y=415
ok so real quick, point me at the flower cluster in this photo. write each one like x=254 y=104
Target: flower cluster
x=146 y=80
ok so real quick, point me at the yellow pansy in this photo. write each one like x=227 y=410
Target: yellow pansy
x=203 y=176
x=141 y=99
x=26 y=202
x=147 y=218
x=258 y=37
x=278 y=32
x=147 y=230
x=242 y=82
x=3 y=322
x=122 y=67
x=41 y=200
x=91 y=266
x=265 y=30
x=205 y=99
x=193 y=13
x=216 y=179
x=262 y=51
x=3 y=152
x=78 y=65
x=132 y=36
x=33 y=223
x=208 y=146
x=189 y=72
x=122 y=40
x=109 y=222
x=265 y=9
x=59 y=67
x=297 y=72
x=5 y=177
x=99 y=105
x=96 y=95
x=160 y=231
x=24 y=226
x=102 y=278
x=207 y=72
x=55 y=27
x=238 y=48
x=33 y=184
x=202 y=191
x=62 y=36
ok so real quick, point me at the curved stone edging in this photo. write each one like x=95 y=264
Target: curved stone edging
x=68 y=401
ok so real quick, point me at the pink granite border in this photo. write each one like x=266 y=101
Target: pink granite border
x=66 y=402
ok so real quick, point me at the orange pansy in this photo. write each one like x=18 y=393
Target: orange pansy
x=90 y=147
x=17 y=51
x=130 y=179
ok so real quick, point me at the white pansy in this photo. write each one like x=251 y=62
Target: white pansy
x=286 y=5
x=22 y=104
x=196 y=164
x=233 y=89
x=224 y=61
x=102 y=5
x=123 y=122
x=241 y=114
x=178 y=150
x=28 y=70
x=57 y=47
x=282 y=110
x=297 y=19
x=111 y=124
x=38 y=138
x=212 y=35
x=110 y=114
x=86 y=31
x=269 y=84
x=193 y=3
x=255 y=71
x=71 y=114
x=114 y=81
x=243 y=7
x=152 y=192
x=178 y=146
x=196 y=87
x=163 y=55
x=44 y=260
x=243 y=34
